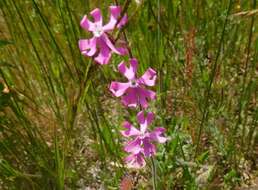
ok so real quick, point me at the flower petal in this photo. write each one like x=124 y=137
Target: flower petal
x=122 y=22
x=148 y=94
x=110 y=44
x=133 y=146
x=142 y=119
x=135 y=161
x=145 y=95
x=121 y=46
x=145 y=121
x=86 y=45
x=122 y=50
x=149 y=77
x=118 y=88
x=104 y=53
x=130 y=72
x=149 y=117
x=86 y=24
x=148 y=148
x=155 y=135
x=131 y=98
x=96 y=14
x=114 y=15
x=131 y=130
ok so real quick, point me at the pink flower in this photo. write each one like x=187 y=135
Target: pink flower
x=135 y=161
x=133 y=91
x=142 y=140
x=100 y=46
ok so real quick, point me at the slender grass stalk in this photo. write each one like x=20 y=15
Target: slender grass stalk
x=244 y=88
x=154 y=174
x=211 y=79
x=52 y=37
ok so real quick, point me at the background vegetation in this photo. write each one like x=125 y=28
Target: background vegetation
x=59 y=124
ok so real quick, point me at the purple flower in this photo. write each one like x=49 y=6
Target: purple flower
x=100 y=46
x=141 y=143
x=133 y=91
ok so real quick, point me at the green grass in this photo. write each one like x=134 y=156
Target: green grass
x=59 y=124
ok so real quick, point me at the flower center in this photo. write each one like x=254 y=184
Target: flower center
x=133 y=83
x=98 y=31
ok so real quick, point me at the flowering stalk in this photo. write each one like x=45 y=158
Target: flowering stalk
x=134 y=93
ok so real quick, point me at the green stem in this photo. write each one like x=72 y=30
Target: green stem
x=154 y=174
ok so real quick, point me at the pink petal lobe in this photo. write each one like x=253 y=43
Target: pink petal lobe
x=122 y=47
x=115 y=11
x=134 y=64
x=149 y=118
x=131 y=130
x=148 y=148
x=148 y=94
x=145 y=121
x=145 y=95
x=86 y=24
x=122 y=50
x=96 y=14
x=114 y=14
x=149 y=77
x=155 y=135
x=88 y=47
x=129 y=73
x=104 y=53
x=143 y=102
x=133 y=146
x=142 y=97
x=110 y=44
x=122 y=22
x=130 y=98
x=118 y=88
x=135 y=161
x=140 y=117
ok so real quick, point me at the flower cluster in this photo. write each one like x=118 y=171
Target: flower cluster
x=134 y=93
x=100 y=46
x=141 y=143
